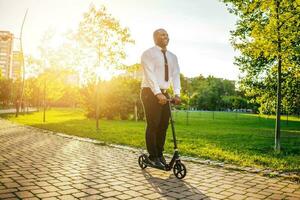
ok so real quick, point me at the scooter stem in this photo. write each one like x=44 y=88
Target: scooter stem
x=172 y=125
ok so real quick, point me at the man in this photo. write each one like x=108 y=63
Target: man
x=160 y=68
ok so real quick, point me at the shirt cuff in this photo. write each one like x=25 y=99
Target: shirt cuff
x=156 y=91
x=177 y=92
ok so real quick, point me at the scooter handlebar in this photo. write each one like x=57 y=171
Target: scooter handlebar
x=171 y=100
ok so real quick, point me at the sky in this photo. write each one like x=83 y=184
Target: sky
x=199 y=30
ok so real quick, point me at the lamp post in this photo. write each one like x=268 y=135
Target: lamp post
x=22 y=64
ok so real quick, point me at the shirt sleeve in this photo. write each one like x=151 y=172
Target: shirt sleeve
x=176 y=78
x=148 y=68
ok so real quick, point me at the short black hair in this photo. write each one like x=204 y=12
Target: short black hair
x=156 y=32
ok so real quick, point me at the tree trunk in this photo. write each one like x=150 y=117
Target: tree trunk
x=135 y=112
x=278 y=108
x=97 y=104
x=44 y=103
x=17 y=108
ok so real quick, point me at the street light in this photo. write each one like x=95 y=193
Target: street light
x=22 y=64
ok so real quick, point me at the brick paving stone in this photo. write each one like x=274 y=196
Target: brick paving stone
x=216 y=190
x=152 y=196
x=91 y=191
x=293 y=186
x=288 y=190
x=70 y=191
x=55 y=167
x=24 y=194
x=32 y=187
x=28 y=183
x=42 y=183
x=176 y=195
x=65 y=187
x=48 y=194
x=214 y=196
x=272 y=191
x=80 y=186
x=255 y=195
x=10 y=190
x=6 y=195
x=139 y=198
x=38 y=191
x=237 y=197
x=277 y=196
x=292 y=198
x=79 y=194
x=67 y=197
x=6 y=180
x=124 y=196
x=51 y=198
x=111 y=194
x=266 y=193
x=144 y=192
x=254 y=190
x=293 y=195
x=132 y=193
x=11 y=185
x=50 y=188
x=236 y=191
x=197 y=197
x=92 y=197
x=119 y=188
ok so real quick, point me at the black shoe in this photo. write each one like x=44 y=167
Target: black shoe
x=159 y=164
x=155 y=162
x=149 y=161
x=163 y=160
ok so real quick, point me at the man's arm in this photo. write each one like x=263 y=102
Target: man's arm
x=148 y=68
x=176 y=82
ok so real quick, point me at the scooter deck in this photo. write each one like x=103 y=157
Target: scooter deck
x=156 y=167
x=168 y=167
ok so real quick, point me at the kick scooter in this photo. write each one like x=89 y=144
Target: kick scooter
x=178 y=167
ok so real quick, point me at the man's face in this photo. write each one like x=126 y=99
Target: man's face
x=162 y=38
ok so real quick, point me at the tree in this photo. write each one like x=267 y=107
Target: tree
x=207 y=93
x=32 y=92
x=50 y=71
x=103 y=41
x=112 y=93
x=5 y=91
x=267 y=35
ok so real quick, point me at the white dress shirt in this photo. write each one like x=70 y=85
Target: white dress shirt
x=153 y=65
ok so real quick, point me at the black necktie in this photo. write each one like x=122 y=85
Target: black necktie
x=166 y=65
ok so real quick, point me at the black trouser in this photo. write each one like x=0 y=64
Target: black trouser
x=157 y=117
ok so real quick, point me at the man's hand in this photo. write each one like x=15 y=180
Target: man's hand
x=177 y=100
x=161 y=99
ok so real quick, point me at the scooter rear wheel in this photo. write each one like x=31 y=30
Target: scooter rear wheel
x=142 y=160
x=179 y=170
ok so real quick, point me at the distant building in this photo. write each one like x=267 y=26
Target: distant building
x=16 y=71
x=6 y=46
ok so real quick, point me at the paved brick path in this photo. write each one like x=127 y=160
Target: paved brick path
x=35 y=165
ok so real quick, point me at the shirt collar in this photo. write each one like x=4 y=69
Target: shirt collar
x=159 y=48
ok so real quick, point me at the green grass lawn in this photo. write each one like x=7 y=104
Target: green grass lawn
x=242 y=139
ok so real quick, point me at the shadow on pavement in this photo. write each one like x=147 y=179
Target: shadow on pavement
x=172 y=187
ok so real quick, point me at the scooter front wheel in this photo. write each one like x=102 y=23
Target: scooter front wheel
x=142 y=160
x=179 y=170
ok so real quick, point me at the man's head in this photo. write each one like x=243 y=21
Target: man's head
x=161 y=38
